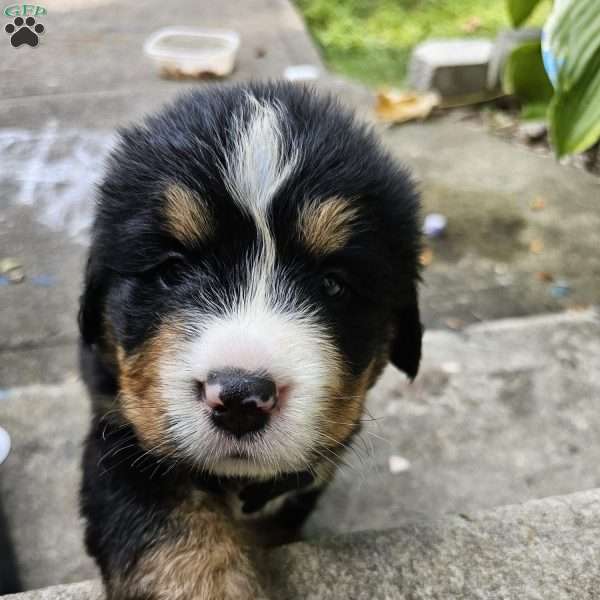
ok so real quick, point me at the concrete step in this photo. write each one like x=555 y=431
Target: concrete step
x=541 y=549
x=501 y=412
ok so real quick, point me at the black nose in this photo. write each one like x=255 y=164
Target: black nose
x=241 y=401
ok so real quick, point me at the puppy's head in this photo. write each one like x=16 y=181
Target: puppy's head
x=253 y=268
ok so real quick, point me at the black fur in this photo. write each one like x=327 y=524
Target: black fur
x=132 y=279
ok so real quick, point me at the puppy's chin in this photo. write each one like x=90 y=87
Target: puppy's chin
x=261 y=455
x=237 y=466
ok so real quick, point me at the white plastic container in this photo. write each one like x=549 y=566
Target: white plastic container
x=193 y=52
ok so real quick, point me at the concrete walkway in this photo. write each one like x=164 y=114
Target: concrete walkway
x=539 y=550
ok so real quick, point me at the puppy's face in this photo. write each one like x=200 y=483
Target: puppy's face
x=253 y=269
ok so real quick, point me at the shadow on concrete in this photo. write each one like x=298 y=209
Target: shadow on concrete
x=10 y=582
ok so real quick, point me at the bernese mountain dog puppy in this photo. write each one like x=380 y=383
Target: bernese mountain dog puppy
x=253 y=267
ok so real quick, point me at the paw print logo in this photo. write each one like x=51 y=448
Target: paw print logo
x=24 y=31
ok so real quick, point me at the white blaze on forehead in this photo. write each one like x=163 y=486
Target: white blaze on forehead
x=253 y=172
x=256 y=167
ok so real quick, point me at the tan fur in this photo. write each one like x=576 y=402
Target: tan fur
x=188 y=216
x=141 y=398
x=346 y=404
x=327 y=226
x=201 y=556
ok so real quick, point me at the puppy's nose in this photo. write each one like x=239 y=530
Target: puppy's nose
x=240 y=401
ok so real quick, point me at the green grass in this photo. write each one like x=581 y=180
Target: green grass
x=371 y=40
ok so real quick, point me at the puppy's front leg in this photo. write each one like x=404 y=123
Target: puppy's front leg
x=198 y=556
x=158 y=540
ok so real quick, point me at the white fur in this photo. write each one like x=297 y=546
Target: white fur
x=255 y=170
x=267 y=328
x=291 y=348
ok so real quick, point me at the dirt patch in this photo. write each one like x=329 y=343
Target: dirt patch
x=487 y=223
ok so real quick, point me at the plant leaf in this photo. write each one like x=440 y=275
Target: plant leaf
x=520 y=10
x=574 y=32
x=574 y=41
x=575 y=112
x=524 y=74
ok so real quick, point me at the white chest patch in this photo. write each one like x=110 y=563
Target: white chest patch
x=270 y=509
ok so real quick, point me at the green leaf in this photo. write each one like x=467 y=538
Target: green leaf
x=575 y=112
x=574 y=32
x=524 y=74
x=520 y=10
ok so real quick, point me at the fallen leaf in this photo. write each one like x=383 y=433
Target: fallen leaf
x=398 y=107
x=579 y=307
x=538 y=204
x=545 y=276
x=536 y=246
x=502 y=122
x=12 y=270
x=454 y=324
x=471 y=25
x=426 y=257
x=9 y=264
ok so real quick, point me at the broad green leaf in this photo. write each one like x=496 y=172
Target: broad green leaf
x=575 y=113
x=574 y=31
x=520 y=10
x=574 y=36
x=524 y=74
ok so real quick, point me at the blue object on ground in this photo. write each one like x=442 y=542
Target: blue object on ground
x=560 y=289
x=434 y=225
x=43 y=280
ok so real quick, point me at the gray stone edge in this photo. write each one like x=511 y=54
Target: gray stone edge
x=539 y=549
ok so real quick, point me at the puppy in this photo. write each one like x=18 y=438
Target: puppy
x=253 y=267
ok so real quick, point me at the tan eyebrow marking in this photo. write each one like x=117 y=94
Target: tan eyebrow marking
x=327 y=226
x=188 y=215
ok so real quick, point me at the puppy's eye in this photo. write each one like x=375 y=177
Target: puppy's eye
x=332 y=286
x=171 y=271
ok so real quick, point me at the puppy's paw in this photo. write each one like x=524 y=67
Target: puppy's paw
x=232 y=585
x=236 y=585
x=189 y=576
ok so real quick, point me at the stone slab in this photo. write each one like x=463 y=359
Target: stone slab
x=40 y=479
x=499 y=250
x=503 y=412
x=538 y=550
x=452 y=68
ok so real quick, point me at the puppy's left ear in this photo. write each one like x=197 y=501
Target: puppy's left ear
x=90 y=314
x=405 y=349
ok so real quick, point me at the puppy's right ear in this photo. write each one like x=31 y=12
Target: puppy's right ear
x=405 y=350
x=90 y=303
